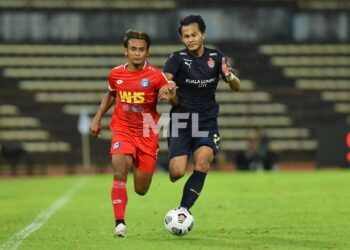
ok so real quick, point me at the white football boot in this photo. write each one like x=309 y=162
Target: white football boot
x=120 y=231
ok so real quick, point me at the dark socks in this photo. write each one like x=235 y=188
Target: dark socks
x=192 y=189
x=119 y=221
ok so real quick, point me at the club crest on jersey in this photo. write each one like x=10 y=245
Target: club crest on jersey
x=144 y=83
x=116 y=145
x=120 y=81
x=211 y=63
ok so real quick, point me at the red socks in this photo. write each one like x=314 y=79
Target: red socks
x=119 y=197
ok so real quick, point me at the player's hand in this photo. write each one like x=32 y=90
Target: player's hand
x=167 y=92
x=226 y=67
x=165 y=88
x=171 y=94
x=95 y=128
x=232 y=80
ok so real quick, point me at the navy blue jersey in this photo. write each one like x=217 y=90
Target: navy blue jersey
x=197 y=79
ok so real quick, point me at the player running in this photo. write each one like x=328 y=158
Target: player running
x=134 y=87
x=196 y=71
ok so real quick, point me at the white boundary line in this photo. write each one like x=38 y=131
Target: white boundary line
x=42 y=218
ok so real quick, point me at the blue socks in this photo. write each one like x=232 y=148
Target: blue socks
x=192 y=189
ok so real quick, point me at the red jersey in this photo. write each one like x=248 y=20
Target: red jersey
x=137 y=93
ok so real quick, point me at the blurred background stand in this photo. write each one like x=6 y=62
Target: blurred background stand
x=292 y=56
x=14 y=153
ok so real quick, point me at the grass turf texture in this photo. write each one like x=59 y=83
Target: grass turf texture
x=308 y=210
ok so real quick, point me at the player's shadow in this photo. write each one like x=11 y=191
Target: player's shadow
x=236 y=240
x=190 y=241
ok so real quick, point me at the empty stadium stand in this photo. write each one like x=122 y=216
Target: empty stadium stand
x=319 y=77
x=317 y=71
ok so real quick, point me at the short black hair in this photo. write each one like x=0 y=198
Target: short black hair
x=192 y=19
x=134 y=34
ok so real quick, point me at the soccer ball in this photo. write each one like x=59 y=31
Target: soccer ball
x=178 y=221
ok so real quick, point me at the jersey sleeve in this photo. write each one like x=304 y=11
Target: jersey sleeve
x=172 y=65
x=162 y=80
x=111 y=85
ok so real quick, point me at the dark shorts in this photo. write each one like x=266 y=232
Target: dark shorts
x=186 y=142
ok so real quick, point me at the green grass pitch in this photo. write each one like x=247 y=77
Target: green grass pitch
x=294 y=210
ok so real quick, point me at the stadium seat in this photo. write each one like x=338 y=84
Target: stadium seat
x=81 y=50
x=10 y=122
x=89 y=4
x=304 y=49
x=8 y=110
x=285 y=61
x=316 y=72
x=69 y=61
x=322 y=84
x=23 y=135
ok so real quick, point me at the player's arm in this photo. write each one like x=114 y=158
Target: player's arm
x=168 y=92
x=232 y=80
x=107 y=101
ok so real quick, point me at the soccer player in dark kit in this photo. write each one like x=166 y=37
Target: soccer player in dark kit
x=196 y=71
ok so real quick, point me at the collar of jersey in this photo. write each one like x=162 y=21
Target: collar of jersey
x=204 y=52
x=144 y=66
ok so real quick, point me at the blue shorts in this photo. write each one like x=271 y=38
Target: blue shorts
x=185 y=143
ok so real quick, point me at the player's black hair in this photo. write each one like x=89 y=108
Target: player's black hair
x=192 y=19
x=134 y=34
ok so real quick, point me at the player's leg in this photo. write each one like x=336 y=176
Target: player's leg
x=142 y=181
x=204 y=148
x=122 y=152
x=177 y=167
x=121 y=164
x=145 y=163
x=194 y=185
x=179 y=150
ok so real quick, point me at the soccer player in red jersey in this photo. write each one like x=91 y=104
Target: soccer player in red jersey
x=134 y=87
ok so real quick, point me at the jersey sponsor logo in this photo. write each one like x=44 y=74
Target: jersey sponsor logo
x=127 y=107
x=132 y=97
x=181 y=218
x=116 y=145
x=216 y=140
x=144 y=83
x=136 y=109
x=200 y=83
x=211 y=63
x=118 y=184
x=183 y=53
x=151 y=68
x=194 y=191
x=188 y=62
x=119 y=81
x=117 y=201
x=213 y=54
